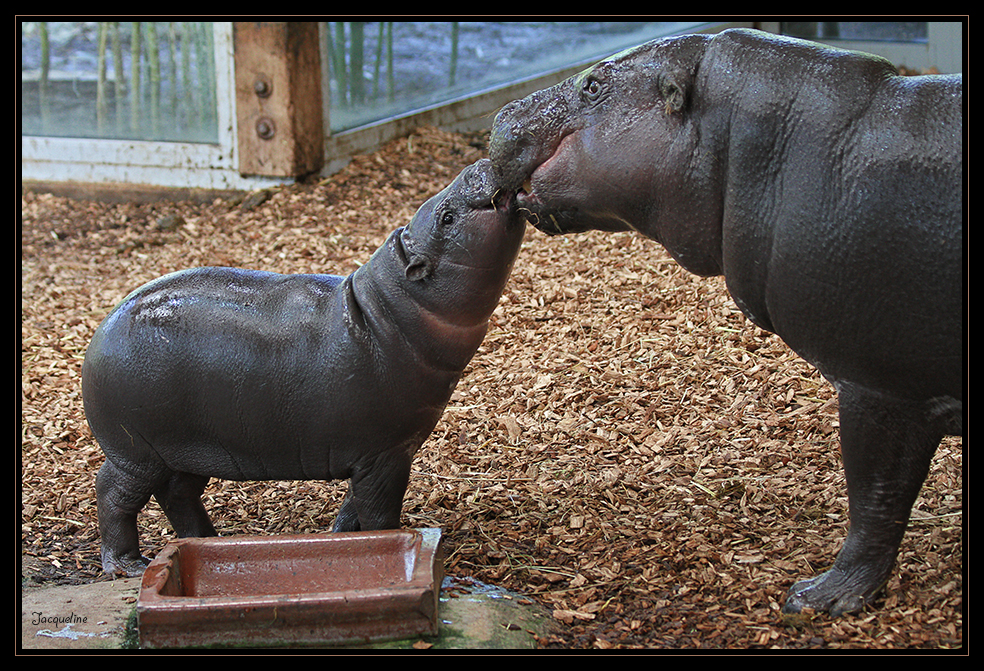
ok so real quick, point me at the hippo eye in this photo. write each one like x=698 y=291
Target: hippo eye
x=592 y=88
x=447 y=219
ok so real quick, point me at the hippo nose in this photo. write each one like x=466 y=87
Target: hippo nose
x=511 y=159
x=514 y=146
x=507 y=111
x=480 y=183
x=506 y=132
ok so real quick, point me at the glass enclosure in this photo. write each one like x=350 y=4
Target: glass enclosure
x=128 y=81
x=155 y=102
x=156 y=80
x=385 y=69
x=867 y=31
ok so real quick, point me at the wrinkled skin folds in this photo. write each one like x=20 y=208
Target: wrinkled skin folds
x=828 y=192
x=250 y=375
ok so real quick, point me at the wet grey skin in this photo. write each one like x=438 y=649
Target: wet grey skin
x=250 y=375
x=826 y=189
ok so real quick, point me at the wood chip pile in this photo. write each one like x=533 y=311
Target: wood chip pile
x=625 y=449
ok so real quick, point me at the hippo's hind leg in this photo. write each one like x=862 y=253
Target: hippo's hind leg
x=887 y=445
x=181 y=499
x=119 y=497
x=375 y=497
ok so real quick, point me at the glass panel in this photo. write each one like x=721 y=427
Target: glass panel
x=78 y=80
x=384 y=69
x=868 y=31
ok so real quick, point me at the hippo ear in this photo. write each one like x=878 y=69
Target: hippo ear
x=672 y=88
x=419 y=268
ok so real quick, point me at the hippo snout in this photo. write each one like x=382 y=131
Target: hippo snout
x=478 y=184
x=481 y=188
x=526 y=133
x=513 y=148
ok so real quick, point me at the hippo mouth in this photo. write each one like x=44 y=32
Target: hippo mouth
x=539 y=214
x=501 y=201
x=556 y=199
x=488 y=196
x=535 y=195
x=509 y=205
x=527 y=202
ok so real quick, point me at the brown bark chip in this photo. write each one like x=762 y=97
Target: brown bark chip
x=625 y=448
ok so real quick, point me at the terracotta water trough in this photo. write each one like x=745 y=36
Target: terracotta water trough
x=343 y=588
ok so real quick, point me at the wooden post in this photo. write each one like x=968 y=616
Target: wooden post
x=278 y=98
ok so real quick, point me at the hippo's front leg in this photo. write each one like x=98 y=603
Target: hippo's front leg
x=887 y=445
x=181 y=499
x=348 y=515
x=375 y=495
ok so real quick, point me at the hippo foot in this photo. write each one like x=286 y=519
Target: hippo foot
x=833 y=591
x=125 y=566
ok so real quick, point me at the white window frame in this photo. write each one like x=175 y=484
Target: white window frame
x=168 y=164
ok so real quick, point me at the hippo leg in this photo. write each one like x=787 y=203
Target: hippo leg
x=375 y=496
x=887 y=445
x=181 y=499
x=119 y=497
x=348 y=516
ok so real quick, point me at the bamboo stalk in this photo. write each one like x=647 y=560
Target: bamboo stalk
x=154 y=67
x=454 y=52
x=135 y=77
x=390 y=84
x=356 y=82
x=45 y=68
x=201 y=70
x=101 y=77
x=188 y=97
x=338 y=62
x=207 y=70
x=119 y=81
x=378 y=59
x=173 y=38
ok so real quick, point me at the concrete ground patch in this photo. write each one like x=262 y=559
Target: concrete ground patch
x=66 y=617
x=473 y=615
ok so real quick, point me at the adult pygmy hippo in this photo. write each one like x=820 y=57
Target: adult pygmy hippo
x=826 y=189
x=247 y=375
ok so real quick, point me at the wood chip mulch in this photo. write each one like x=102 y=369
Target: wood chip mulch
x=626 y=448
